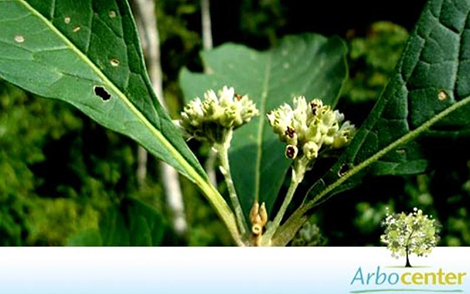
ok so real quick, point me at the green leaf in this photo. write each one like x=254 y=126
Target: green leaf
x=88 y=54
x=427 y=94
x=131 y=223
x=309 y=65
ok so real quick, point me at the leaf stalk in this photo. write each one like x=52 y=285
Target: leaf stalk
x=298 y=172
x=222 y=153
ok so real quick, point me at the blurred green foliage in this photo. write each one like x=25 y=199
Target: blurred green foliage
x=262 y=19
x=372 y=58
x=308 y=235
x=30 y=188
x=62 y=175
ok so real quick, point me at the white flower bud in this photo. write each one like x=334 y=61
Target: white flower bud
x=311 y=150
x=306 y=127
x=343 y=136
x=211 y=119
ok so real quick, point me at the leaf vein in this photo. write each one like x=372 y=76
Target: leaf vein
x=262 y=109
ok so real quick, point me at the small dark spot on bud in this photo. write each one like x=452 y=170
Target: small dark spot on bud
x=238 y=97
x=290 y=152
x=270 y=112
x=102 y=93
x=290 y=132
x=314 y=107
x=343 y=170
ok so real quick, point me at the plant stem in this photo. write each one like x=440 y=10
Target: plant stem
x=210 y=166
x=222 y=152
x=288 y=230
x=298 y=172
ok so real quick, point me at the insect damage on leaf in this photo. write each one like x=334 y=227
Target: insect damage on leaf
x=442 y=96
x=343 y=170
x=19 y=39
x=102 y=93
x=114 y=62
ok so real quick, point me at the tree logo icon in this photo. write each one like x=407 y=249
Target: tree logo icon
x=413 y=233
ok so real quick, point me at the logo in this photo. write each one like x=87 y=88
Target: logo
x=404 y=235
x=407 y=280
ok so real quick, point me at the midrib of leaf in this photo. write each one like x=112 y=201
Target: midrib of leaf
x=262 y=109
x=216 y=199
x=291 y=226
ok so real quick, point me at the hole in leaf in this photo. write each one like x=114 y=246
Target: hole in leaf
x=112 y=14
x=102 y=93
x=75 y=30
x=114 y=62
x=343 y=170
x=442 y=95
x=19 y=39
x=67 y=20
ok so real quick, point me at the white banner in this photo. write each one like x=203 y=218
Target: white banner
x=230 y=270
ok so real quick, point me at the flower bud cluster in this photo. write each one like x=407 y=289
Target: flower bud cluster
x=307 y=127
x=212 y=119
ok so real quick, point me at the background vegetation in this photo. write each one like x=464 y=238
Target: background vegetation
x=61 y=174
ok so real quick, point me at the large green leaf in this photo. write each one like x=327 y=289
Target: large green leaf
x=87 y=53
x=428 y=94
x=309 y=65
x=131 y=223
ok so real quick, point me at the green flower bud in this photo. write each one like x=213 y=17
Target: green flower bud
x=311 y=150
x=212 y=119
x=344 y=135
